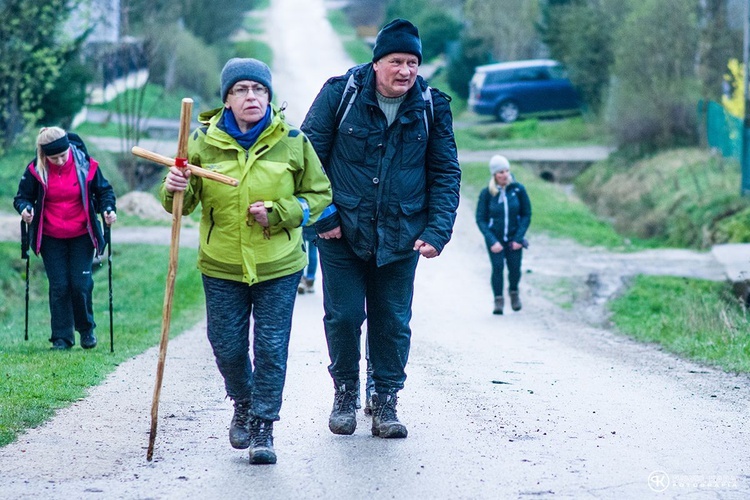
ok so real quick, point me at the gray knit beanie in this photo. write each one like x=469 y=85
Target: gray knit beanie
x=237 y=69
x=397 y=36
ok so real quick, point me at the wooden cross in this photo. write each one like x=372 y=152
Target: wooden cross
x=180 y=161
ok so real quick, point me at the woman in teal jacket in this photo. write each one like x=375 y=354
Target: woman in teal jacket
x=251 y=252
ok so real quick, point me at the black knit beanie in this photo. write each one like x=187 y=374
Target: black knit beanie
x=397 y=36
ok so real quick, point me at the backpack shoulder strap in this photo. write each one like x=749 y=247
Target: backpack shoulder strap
x=428 y=109
x=76 y=140
x=348 y=96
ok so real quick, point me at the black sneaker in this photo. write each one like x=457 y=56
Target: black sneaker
x=385 y=422
x=239 y=429
x=261 y=435
x=60 y=345
x=88 y=340
x=343 y=419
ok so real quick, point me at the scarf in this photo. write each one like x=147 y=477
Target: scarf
x=229 y=125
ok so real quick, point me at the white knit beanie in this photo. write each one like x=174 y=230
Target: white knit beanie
x=498 y=163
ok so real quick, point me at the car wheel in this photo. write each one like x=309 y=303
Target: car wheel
x=507 y=112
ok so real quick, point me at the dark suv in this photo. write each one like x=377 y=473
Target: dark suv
x=510 y=90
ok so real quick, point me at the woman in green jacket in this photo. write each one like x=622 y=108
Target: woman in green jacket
x=251 y=252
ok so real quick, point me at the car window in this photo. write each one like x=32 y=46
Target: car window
x=530 y=74
x=499 y=76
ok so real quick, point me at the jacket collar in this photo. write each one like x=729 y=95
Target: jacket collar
x=220 y=138
x=364 y=78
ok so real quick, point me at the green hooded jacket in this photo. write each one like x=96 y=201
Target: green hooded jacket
x=279 y=169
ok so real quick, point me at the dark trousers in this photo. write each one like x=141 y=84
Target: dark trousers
x=67 y=263
x=229 y=305
x=355 y=290
x=511 y=258
x=312 y=258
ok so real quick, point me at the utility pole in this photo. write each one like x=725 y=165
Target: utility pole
x=745 y=163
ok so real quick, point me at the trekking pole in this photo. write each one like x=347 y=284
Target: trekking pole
x=108 y=241
x=25 y=255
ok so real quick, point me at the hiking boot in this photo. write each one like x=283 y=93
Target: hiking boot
x=88 y=340
x=515 y=301
x=261 y=437
x=499 y=302
x=368 y=406
x=60 y=345
x=343 y=419
x=385 y=422
x=369 y=389
x=306 y=286
x=239 y=429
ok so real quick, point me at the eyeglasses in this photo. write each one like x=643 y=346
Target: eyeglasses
x=258 y=91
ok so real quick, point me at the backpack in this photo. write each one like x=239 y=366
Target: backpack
x=351 y=91
x=76 y=140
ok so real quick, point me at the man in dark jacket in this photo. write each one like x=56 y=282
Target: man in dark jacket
x=386 y=141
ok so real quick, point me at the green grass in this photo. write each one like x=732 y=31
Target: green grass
x=256 y=49
x=358 y=50
x=554 y=210
x=692 y=318
x=37 y=381
x=532 y=133
x=106 y=129
x=157 y=103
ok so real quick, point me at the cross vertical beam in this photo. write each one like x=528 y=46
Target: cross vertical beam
x=185 y=116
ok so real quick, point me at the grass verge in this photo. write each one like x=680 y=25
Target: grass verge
x=37 y=381
x=531 y=133
x=693 y=318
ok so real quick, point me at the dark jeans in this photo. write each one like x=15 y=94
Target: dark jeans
x=352 y=286
x=67 y=263
x=229 y=305
x=312 y=257
x=513 y=260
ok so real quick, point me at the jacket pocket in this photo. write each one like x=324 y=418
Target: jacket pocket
x=413 y=147
x=352 y=143
x=412 y=222
x=348 y=209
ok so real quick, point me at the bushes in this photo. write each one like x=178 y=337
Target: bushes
x=684 y=197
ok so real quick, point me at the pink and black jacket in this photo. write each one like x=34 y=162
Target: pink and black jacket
x=96 y=192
